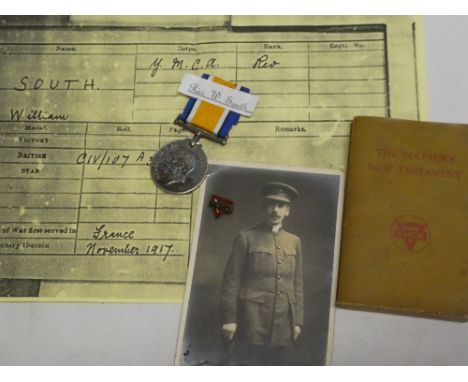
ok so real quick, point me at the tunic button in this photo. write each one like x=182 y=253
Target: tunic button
x=280 y=261
x=278 y=247
x=279 y=278
x=278 y=293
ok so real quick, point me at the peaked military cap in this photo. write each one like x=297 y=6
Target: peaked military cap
x=280 y=191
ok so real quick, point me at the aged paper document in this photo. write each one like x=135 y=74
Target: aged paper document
x=84 y=107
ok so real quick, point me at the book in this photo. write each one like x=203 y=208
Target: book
x=404 y=245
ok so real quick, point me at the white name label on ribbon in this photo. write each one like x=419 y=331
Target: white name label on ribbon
x=220 y=95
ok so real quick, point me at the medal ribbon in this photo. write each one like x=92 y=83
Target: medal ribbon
x=209 y=117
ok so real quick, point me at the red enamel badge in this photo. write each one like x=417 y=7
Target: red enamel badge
x=221 y=206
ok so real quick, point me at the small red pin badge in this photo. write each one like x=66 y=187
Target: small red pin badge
x=221 y=206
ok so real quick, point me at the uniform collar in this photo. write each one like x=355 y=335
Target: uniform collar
x=276 y=229
x=269 y=228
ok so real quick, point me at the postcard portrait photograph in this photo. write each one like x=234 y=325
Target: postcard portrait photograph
x=262 y=274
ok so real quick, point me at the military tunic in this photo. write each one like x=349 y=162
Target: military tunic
x=263 y=286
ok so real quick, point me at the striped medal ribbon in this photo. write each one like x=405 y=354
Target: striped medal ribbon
x=181 y=166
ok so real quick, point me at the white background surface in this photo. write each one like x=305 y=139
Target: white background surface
x=145 y=334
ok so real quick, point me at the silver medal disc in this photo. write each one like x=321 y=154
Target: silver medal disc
x=179 y=167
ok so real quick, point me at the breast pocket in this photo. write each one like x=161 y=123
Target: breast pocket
x=291 y=259
x=259 y=260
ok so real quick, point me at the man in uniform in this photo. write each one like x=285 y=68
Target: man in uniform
x=262 y=292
